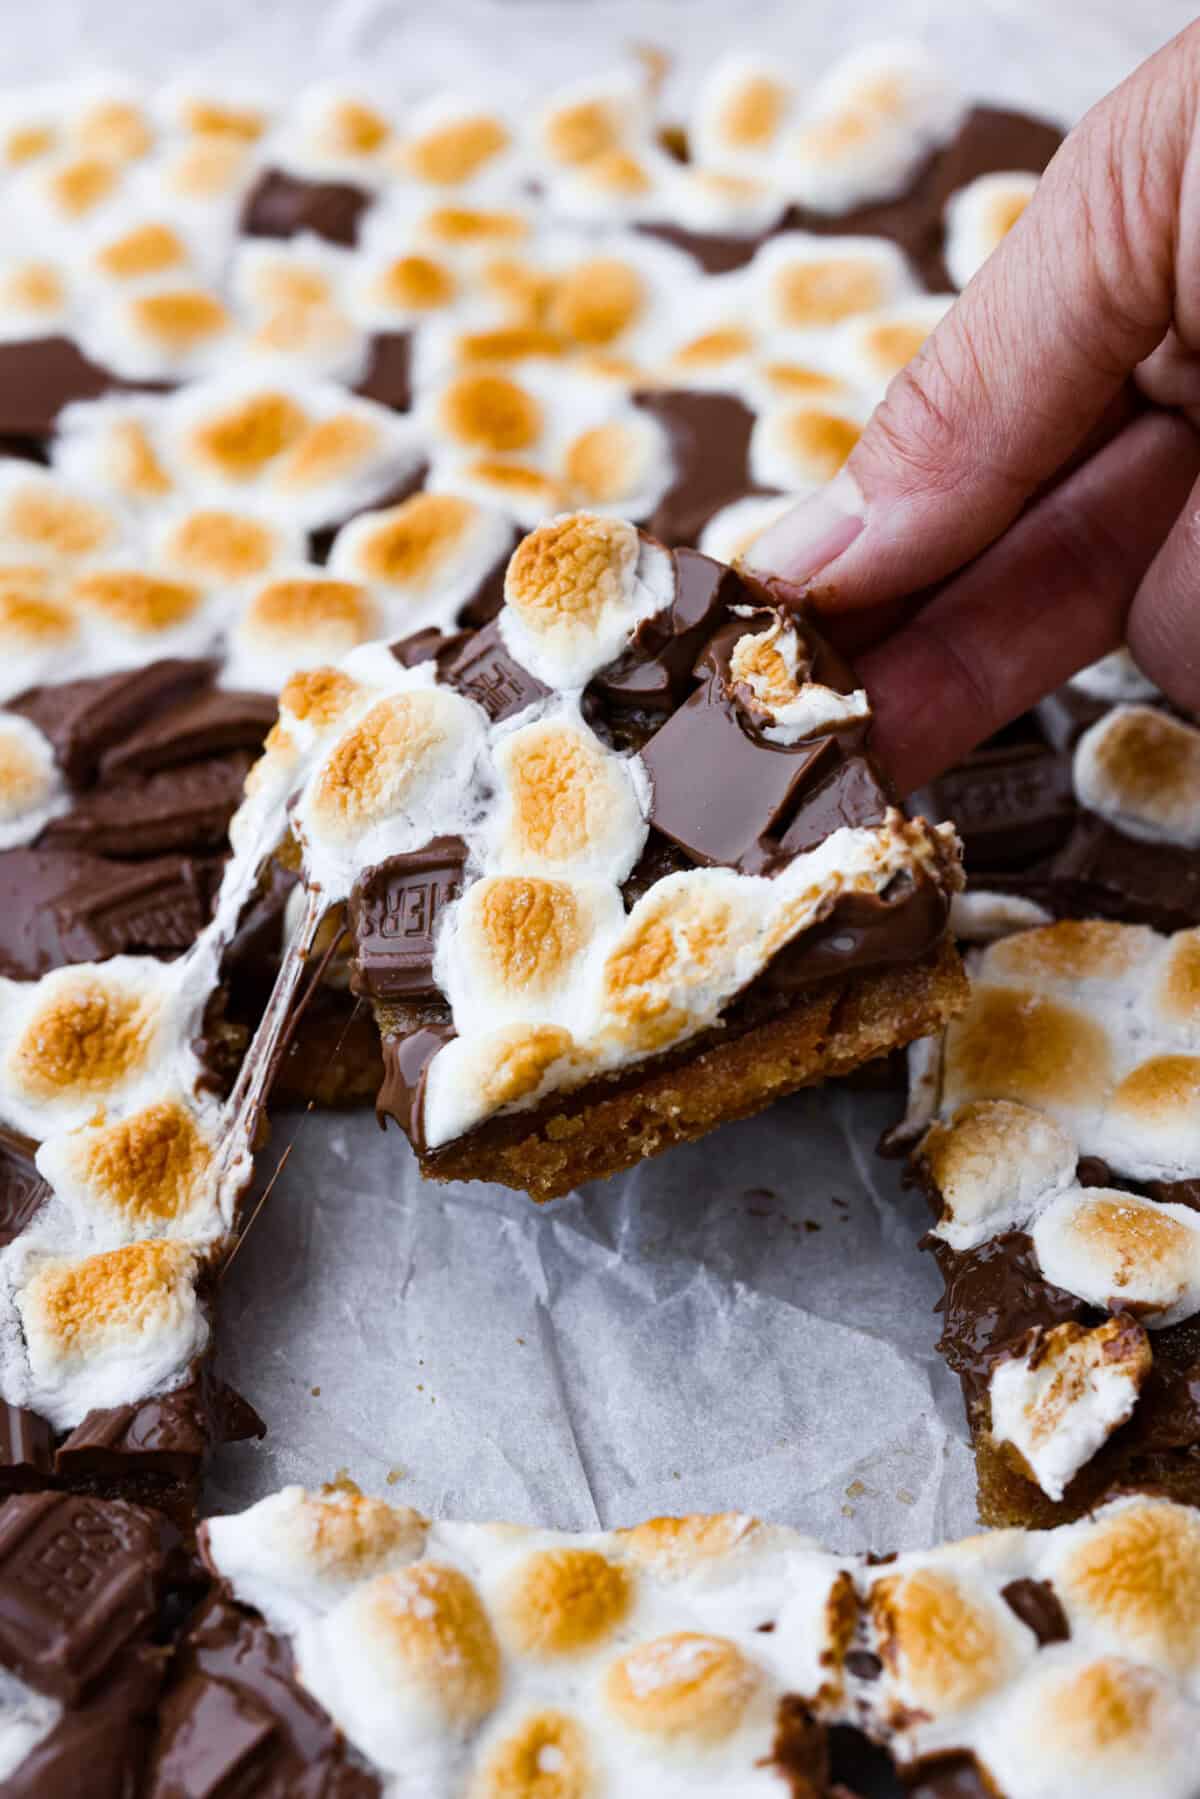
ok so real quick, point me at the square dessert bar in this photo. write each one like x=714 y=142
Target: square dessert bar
x=618 y=865
x=1060 y=1147
x=712 y=1655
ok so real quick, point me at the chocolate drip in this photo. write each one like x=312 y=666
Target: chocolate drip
x=656 y=671
x=283 y=205
x=994 y=1295
x=406 y=1063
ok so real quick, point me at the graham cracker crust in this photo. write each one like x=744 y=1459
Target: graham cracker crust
x=608 y=1126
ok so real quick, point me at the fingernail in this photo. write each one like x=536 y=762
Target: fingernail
x=806 y=539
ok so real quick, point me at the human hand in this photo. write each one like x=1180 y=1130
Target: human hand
x=972 y=487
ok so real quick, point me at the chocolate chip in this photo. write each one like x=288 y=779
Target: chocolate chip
x=1037 y=1604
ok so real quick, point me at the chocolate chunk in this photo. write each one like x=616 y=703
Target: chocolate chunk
x=394 y=910
x=78 y=1577
x=656 y=671
x=209 y=724
x=83 y=719
x=1010 y=803
x=1037 y=1604
x=710 y=448
x=168 y=1435
x=22 y=1189
x=283 y=205
x=487 y=674
x=62 y=906
x=388 y=376
x=852 y=793
x=406 y=1062
x=26 y=1449
x=98 y=1748
x=481 y=607
x=237 y=1721
x=185 y=808
x=41 y=375
x=718 y=792
x=1100 y=870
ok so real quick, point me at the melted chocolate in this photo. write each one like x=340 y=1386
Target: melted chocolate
x=387 y=378
x=283 y=205
x=236 y=1721
x=39 y=376
x=1037 y=1604
x=184 y=808
x=994 y=1295
x=406 y=1062
x=717 y=252
x=84 y=719
x=710 y=448
x=66 y=906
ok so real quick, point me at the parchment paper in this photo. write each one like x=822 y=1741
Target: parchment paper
x=746 y=1322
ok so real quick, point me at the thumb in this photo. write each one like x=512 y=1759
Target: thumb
x=1023 y=366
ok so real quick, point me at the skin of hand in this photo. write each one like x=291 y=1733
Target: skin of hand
x=1027 y=494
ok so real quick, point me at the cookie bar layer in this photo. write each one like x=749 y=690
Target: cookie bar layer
x=1062 y=1163
x=701 y=1654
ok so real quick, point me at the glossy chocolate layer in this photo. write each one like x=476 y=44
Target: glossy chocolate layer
x=39 y=376
x=710 y=448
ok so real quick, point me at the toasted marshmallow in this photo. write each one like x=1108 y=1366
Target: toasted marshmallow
x=804 y=285
x=872 y=349
x=455 y=146
x=574 y=592
x=511 y=1069
x=1130 y=1576
x=401 y=773
x=1118 y=1250
x=1054 y=1404
x=768 y=663
x=108 y=1329
x=298 y=619
x=171 y=331
x=152 y=1171
x=948 y=1643
x=32 y=790
x=521 y=948
x=35 y=298
x=996 y=1165
x=134 y=613
x=92 y=1036
x=332 y=134
x=1139 y=769
x=224 y=547
x=295 y=1555
x=978 y=218
x=594 y=117
x=295 y=302
x=740 y=113
x=981 y=916
x=46 y=519
x=1017 y=1043
x=1102 y=1726
x=40 y=634
x=423 y=558
x=407 y=1665
x=712 y=200
x=797 y=447
x=566 y=805
x=867 y=126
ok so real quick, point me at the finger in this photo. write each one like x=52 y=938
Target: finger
x=1025 y=363
x=1164 y=621
x=1051 y=596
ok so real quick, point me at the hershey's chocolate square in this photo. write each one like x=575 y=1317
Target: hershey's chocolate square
x=394 y=910
x=78 y=1576
x=1011 y=803
x=22 y=1189
x=487 y=674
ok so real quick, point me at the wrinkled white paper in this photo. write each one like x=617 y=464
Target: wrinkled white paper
x=746 y=1322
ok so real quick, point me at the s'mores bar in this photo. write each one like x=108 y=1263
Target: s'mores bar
x=1057 y=1124
x=354 y=1644
x=617 y=865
